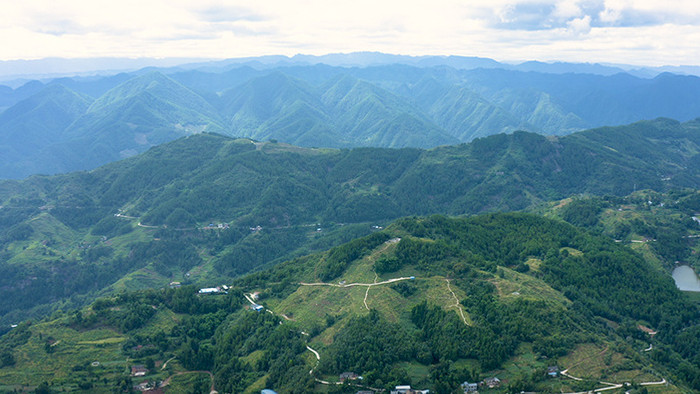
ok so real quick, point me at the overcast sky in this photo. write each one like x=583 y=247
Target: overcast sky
x=643 y=32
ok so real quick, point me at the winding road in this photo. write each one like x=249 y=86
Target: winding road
x=610 y=386
x=249 y=298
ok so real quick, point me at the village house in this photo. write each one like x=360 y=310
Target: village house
x=406 y=389
x=492 y=383
x=214 y=290
x=470 y=387
x=138 y=370
x=553 y=371
x=348 y=376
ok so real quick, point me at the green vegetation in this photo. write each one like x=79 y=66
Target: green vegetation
x=144 y=222
x=466 y=314
x=660 y=226
x=430 y=301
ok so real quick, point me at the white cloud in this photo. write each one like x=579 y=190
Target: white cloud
x=567 y=9
x=639 y=31
x=580 y=26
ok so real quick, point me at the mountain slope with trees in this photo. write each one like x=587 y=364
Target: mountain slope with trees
x=391 y=105
x=430 y=302
x=155 y=218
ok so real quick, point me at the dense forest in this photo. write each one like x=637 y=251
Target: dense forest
x=350 y=252
x=145 y=221
x=350 y=222
x=406 y=326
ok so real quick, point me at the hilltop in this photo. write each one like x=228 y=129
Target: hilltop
x=430 y=302
x=209 y=206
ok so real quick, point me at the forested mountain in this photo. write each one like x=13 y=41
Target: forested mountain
x=128 y=119
x=155 y=217
x=34 y=124
x=660 y=226
x=318 y=105
x=430 y=302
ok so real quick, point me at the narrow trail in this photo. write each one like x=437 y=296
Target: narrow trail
x=247 y=297
x=318 y=356
x=566 y=373
x=356 y=284
x=610 y=386
x=317 y=380
x=309 y=348
x=165 y=364
x=211 y=376
x=367 y=292
x=146 y=226
x=661 y=382
x=119 y=215
x=457 y=304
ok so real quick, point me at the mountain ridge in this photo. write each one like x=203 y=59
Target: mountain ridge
x=178 y=189
x=388 y=106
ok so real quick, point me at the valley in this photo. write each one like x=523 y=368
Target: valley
x=145 y=222
x=410 y=287
x=401 y=224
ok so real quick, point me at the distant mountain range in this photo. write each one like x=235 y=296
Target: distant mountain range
x=79 y=123
x=15 y=72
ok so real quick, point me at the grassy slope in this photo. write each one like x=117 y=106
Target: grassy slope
x=216 y=179
x=599 y=356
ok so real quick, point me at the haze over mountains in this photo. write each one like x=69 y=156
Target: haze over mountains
x=79 y=123
x=14 y=72
x=299 y=185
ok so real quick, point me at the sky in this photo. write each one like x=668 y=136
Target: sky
x=639 y=32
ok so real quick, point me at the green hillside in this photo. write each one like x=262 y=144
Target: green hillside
x=34 y=124
x=140 y=113
x=343 y=112
x=59 y=130
x=465 y=114
x=375 y=117
x=659 y=226
x=209 y=206
x=430 y=302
